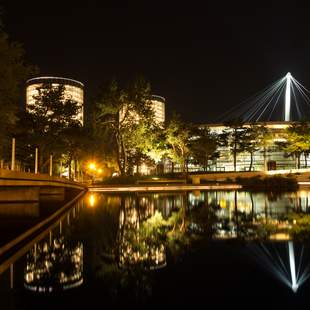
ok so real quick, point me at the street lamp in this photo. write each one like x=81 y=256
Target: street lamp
x=92 y=166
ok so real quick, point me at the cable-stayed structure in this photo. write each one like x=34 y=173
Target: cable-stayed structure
x=284 y=100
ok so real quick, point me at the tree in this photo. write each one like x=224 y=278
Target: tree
x=257 y=137
x=178 y=139
x=48 y=120
x=147 y=144
x=76 y=144
x=264 y=140
x=297 y=140
x=13 y=74
x=234 y=136
x=120 y=111
x=204 y=146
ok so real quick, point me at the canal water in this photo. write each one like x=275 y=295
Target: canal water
x=160 y=249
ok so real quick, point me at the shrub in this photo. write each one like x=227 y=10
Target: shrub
x=272 y=183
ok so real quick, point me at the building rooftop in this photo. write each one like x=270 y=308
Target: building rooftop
x=54 y=78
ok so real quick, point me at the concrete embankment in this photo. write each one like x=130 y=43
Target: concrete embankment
x=160 y=188
x=18 y=178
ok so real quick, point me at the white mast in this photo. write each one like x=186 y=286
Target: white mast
x=288 y=97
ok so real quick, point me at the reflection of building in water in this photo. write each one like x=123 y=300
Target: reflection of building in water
x=137 y=244
x=56 y=266
x=163 y=202
x=257 y=209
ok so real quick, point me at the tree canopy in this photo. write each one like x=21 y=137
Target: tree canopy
x=127 y=115
x=13 y=73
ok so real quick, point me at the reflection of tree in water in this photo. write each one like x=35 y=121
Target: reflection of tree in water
x=300 y=228
x=137 y=233
x=203 y=219
x=147 y=230
x=128 y=245
x=55 y=266
x=125 y=262
x=142 y=235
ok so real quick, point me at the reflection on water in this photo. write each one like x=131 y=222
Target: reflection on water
x=140 y=234
x=124 y=239
x=54 y=266
x=19 y=209
x=254 y=215
x=149 y=221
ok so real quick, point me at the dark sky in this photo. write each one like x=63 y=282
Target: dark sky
x=202 y=57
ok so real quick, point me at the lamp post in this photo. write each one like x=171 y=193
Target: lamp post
x=13 y=155
x=36 y=161
x=51 y=165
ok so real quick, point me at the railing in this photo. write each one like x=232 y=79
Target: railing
x=14 y=164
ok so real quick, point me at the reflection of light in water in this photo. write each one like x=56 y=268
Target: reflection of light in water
x=280 y=236
x=283 y=267
x=135 y=247
x=91 y=200
x=58 y=266
x=292 y=265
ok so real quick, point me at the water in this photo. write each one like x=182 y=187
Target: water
x=208 y=248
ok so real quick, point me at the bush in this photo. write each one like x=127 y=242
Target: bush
x=273 y=183
x=120 y=180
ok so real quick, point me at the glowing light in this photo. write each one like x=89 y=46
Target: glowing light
x=92 y=200
x=144 y=169
x=288 y=97
x=99 y=170
x=279 y=236
x=92 y=166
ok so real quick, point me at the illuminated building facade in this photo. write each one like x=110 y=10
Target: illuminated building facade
x=74 y=90
x=157 y=104
x=276 y=159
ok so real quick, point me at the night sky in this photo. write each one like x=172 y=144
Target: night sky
x=202 y=57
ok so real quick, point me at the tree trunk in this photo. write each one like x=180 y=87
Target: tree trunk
x=69 y=168
x=251 y=162
x=207 y=156
x=119 y=154
x=235 y=160
x=235 y=154
x=124 y=157
x=138 y=168
x=265 y=159
x=205 y=167
x=298 y=161
x=252 y=206
x=306 y=164
x=75 y=168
